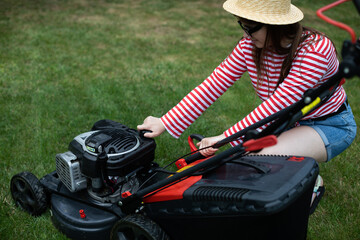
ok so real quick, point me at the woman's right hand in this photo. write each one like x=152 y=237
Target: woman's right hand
x=207 y=142
x=152 y=124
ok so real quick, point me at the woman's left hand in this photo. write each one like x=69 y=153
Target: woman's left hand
x=209 y=141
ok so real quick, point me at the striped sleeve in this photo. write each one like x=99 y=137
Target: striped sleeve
x=198 y=100
x=311 y=67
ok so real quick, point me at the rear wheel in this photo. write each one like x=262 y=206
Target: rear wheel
x=28 y=193
x=137 y=227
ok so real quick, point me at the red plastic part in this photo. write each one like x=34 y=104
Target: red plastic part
x=258 y=144
x=175 y=191
x=126 y=194
x=335 y=23
x=82 y=213
x=180 y=163
x=192 y=145
x=296 y=159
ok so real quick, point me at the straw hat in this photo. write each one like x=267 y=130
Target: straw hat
x=276 y=12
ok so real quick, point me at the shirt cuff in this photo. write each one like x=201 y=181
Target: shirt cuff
x=168 y=128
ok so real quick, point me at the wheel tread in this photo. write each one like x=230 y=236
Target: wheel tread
x=144 y=223
x=36 y=189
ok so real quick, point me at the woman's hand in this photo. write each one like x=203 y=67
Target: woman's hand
x=152 y=124
x=209 y=141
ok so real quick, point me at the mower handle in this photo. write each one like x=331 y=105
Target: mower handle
x=250 y=145
x=198 y=137
x=197 y=155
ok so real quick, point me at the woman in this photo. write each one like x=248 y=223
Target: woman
x=283 y=59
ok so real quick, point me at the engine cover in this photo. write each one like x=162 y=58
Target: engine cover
x=126 y=150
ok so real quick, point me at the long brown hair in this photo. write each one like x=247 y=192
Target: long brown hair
x=274 y=36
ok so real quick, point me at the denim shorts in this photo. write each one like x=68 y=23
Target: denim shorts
x=337 y=131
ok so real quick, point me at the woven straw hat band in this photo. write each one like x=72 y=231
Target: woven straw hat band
x=277 y=12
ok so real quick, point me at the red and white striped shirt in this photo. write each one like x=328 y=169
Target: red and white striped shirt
x=315 y=63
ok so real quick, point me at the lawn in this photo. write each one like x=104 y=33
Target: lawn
x=66 y=64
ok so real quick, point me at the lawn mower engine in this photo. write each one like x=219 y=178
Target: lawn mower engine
x=100 y=168
x=105 y=161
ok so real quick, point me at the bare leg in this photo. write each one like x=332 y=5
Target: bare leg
x=300 y=141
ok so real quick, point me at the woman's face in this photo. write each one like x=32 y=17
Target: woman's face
x=255 y=31
x=258 y=37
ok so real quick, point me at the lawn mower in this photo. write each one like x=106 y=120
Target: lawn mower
x=107 y=185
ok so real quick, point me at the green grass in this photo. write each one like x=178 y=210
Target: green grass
x=66 y=64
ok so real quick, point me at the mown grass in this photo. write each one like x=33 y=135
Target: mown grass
x=66 y=64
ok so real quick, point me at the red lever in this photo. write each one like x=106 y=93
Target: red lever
x=257 y=144
x=191 y=144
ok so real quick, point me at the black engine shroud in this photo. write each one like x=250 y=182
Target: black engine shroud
x=113 y=147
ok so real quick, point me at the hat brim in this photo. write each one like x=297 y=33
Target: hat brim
x=293 y=16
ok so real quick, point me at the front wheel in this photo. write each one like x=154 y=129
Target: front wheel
x=28 y=193
x=137 y=227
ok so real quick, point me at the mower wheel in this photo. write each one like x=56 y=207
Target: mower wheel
x=28 y=193
x=137 y=227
